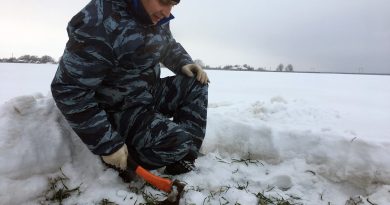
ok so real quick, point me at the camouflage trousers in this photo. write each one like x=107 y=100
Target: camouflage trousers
x=172 y=128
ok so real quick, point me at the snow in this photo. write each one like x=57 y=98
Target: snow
x=309 y=138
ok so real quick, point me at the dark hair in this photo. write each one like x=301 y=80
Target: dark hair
x=169 y=2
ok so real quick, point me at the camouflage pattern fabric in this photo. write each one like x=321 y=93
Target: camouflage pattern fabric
x=109 y=89
x=170 y=130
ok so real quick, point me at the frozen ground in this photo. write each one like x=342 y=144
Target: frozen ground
x=306 y=138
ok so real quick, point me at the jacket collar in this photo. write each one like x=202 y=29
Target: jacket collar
x=138 y=10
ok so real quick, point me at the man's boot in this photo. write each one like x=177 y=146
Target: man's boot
x=182 y=166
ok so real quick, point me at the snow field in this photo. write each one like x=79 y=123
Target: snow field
x=310 y=139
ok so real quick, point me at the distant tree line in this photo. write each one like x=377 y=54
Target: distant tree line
x=288 y=68
x=48 y=59
x=29 y=59
x=245 y=67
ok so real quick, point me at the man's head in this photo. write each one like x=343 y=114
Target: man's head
x=158 y=9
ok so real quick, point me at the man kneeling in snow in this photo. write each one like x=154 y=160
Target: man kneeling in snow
x=109 y=89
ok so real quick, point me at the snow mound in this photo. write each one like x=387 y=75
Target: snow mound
x=250 y=129
x=272 y=147
x=31 y=141
x=36 y=142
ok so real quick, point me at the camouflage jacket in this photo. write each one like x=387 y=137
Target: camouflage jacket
x=111 y=63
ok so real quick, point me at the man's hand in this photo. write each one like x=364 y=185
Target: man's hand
x=191 y=69
x=118 y=158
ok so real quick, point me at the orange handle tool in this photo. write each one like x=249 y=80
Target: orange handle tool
x=158 y=182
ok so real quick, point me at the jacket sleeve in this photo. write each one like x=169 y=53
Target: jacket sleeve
x=83 y=66
x=175 y=56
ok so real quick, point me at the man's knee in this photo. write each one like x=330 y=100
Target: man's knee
x=178 y=144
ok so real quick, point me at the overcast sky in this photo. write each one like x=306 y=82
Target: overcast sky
x=314 y=35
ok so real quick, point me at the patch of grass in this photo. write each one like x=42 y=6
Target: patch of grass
x=224 y=201
x=192 y=188
x=263 y=200
x=247 y=160
x=242 y=186
x=58 y=191
x=152 y=197
x=219 y=196
x=271 y=200
x=354 y=201
x=106 y=202
x=149 y=198
x=213 y=194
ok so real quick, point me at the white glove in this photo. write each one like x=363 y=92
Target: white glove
x=191 y=69
x=118 y=158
